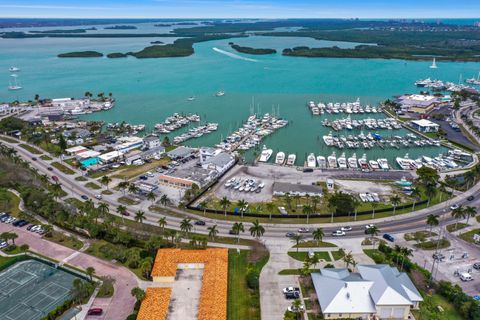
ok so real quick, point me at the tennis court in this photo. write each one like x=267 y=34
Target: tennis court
x=30 y=289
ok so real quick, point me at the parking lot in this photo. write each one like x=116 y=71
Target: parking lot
x=30 y=289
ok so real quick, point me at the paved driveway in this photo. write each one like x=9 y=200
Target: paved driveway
x=117 y=307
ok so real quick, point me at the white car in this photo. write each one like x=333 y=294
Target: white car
x=290 y=289
x=454 y=206
x=11 y=220
x=36 y=228
x=346 y=228
x=3 y=244
x=149 y=174
x=368 y=226
x=338 y=233
x=294 y=309
x=303 y=230
x=98 y=196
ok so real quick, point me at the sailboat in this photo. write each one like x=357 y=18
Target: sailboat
x=434 y=64
x=14 y=69
x=473 y=80
x=14 y=85
x=191 y=98
x=220 y=93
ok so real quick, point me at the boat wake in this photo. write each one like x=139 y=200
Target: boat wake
x=233 y=55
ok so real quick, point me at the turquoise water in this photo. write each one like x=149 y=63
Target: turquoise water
x=149 y=90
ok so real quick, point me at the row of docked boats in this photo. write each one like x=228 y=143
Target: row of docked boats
x=376 y=140
x=368 y=124
x=439 y=85
x=345 y=107
x=280 y=158
x=253 y=131
x=244 y=185
x=441 y=163
x=369 y=197
x=342 y=162
x=473 y=80
x=196 y=132
x=175 y=122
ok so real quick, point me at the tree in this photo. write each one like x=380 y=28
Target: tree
x=103 y=209
x=80 y=290
x=430 y=192
x=288 y=201
x=139 y=216
x=186 y=226
x=256 y=230
x=224 y=203
x=458 y=213
x=122 y=210
x=62 y=143
x=90 y=271
x=237 y=228
x=415 y=194
x=297 y=199
x=297 y=239
x=432 y=221
x=203 y=205
x=373 y=231
x=105 y=180
x=48 y=228
x=212 y=232
x=395 y=200
x=347 y=258
x=342 y=202
x=138 y=293
x=270 y=207
x=307 y=209
x=242 y=205
x=151 y=196
x=132 y=188
x=164 y=200
x=162 y=222
x=374 y=206
x=315 y=201
x=470 y=212
x=406 y=252
x=146 y=266
x=123 y=186
x=318 y=235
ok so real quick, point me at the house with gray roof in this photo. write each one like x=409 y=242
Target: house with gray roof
x=374 y=292
x=220 y=162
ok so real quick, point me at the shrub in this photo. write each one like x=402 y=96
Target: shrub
x=252 y=278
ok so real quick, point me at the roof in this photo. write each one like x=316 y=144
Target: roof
x=110 y=155
x=76 y=149
x=88 y=154
x=180 y=152
x=150 y=138
x=213 y=295
x=424 y=123
x=155 y=305
x=221 y=160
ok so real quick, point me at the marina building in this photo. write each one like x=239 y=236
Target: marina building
x=374 y=292
x=155 y=153
x=281 y=188
x=419 y=103
x=207 y=153
x=185 y=178
x=220 y=162
x=75 y=150
x=128 y=143
x=181 y=153
x=110 y=157
x=151 y=142
x=424 y=125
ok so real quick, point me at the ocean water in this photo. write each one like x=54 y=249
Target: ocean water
x=148 y=90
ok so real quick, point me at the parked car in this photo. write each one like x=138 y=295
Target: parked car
x=338 y=233
x=292 y=295
x=389 y=237
x=23 y=223
x=346 y=228
x=290 y=234
x=143 y=178
x=34 y=158
x=98 y=196
x=290 y=289
x=3 y=244
x=95 y=312
x=465 y=276
x=84 y=197
x=233 y=232
x=438 y=256
x=454 y=206
x=19 y=223
x=50 y=169
x=303 y=230
x=476 y=265
x=470 y=198
x=29 y=228
x=295 y=309
x=200 y=223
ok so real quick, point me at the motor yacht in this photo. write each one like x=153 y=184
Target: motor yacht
x=332 y=160
x=383 y=163
x=342 y=161
x=322 y=162
x=280 y=158
x=291 y=159
x=311 y=162
x=265 y=155
x=352 y=161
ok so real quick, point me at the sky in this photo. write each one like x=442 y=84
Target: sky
x=240 y=8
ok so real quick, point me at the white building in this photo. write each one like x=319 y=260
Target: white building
x=424 y=125
x=220 y=162
x=151 y=142
x=207 y=153
x=110 y=157
x=128 y=143
x=375 y=292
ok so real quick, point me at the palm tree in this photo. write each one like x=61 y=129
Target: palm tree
x=203 y=205
x=123 y=186
x=186 y=226
x=315 y=201
x=224 y=202
x=406 y=252
x=430 y=192
x=132 y=188
x=122 y=210
x=242 y=205
x=138 y=293
x=395 y=200
x=90 y=271
x=256 y=230
x=415 y=196
x=318 y=235
x=398 y=251
x=356 y=204
x=151 y=196
x=373 y=231
x=307 y=209
x=374 y=206
x=297 y=239
x=162 y=222
x=432 y=221
x=212 y=232
x=347 y=258
x=288 y=201
x=237 y=228
x=297 y=199
x=270 y=207
x=470 y=212
x=105 y=180
x=164 y=200
x=146 y=267
x=56 y=190
x=458 y=213
x=103 y=210
x=139 y=216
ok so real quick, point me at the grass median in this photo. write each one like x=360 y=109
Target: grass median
x=62 y=168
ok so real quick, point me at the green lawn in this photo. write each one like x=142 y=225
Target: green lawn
x=289 y=272
x=130 y=172
x=429 y=309
x=30 y=148
x=468 y=236
x=433 y=244
x=81 y=178
x=62 y=168
x=70 y=242
x=459 y=226
x=242 y=302
x=301 y=256
x=9 y=140
x=45 y=157
x=314 y=244
x=127 y=201
x=107 y=192
x=9 y=202
x=6 y=262
x=415 y=235
x=337 y=255
x=93 y=186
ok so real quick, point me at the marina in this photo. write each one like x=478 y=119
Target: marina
x=344 y=107
x=175 y=122
x=439 y=85
x=196 y=132
x=364 y=124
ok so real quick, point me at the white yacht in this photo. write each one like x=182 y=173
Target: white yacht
x=14 y=84
x=322 y=162
x=352 y=161
x=383 y=163
x=332 y=160
x=280 y=158
x=342 y=161
x=14 y=69
x=265 y=155
x=405 y=163
x=311 y=162
x=363 y=163
x=374 y=164
x=191 y=98
x=291 y=159
x=220 y=93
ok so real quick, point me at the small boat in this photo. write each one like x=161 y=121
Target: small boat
x=220 y=93
x=14 y=85
x=322 y=162
x=374 y=164
x=311 y=162
x=383 y=163
x=332 y=160
x=291 y=159
x=191 y=98
x=265 y=155
x=342 y=162
x=352 y=161
x=363 y=163
x=14 y=69
x=280 y=158
x=403 y=182
x=434 y=64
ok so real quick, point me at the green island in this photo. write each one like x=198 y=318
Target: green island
x=249 y=50
x=156 y=42
x=121 y=27
x=63 y=31
x=24 y=35
x=116 y=55
x=81 y=54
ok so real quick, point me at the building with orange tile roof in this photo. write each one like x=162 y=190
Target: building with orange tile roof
x=155 y=305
